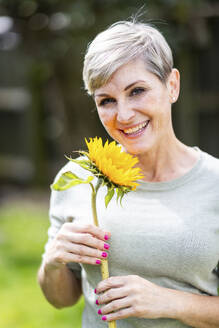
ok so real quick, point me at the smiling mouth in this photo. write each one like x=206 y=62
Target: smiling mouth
x=136 y=130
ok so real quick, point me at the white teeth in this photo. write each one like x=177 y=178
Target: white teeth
x=136 y=128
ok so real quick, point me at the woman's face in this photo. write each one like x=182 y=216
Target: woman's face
x=135 y=107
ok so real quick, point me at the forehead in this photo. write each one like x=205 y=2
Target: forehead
x=127 y=74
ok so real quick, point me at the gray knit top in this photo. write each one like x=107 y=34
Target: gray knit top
x=165 y=232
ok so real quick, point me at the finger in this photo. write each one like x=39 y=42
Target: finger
x=112 y=282
x=87 y=240
x=89 y=228
x=65 y=258
x=84 y=250
x=111 y=294
x=121 y=314
x=115 y=306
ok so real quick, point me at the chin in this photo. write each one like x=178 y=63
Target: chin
x=136 y=151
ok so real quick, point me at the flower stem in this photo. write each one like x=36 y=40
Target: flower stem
x=104 y=262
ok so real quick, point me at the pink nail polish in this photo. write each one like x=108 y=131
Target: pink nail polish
x=106 y=237
x=97 y=302
x=106 y=246
x=98 y=261
x=104 y=318
x=99 y=311
x=104 y=254
x=95 y=291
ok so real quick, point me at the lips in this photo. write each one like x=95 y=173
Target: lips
x=136 y=130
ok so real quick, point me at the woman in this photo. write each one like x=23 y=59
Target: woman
x=163 y=244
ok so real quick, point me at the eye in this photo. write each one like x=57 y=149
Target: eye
x=136 y=91
x=106 y=101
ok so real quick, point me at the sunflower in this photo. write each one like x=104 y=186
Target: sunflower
x=113 y=164
x=113 y=168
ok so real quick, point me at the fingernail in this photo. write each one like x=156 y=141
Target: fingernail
x=99 y=311
x=104 y=254
x=106 y=246
x=106 y=237
x=104 y=318
x=95 y=291
x=98 y=261
x=97 y=302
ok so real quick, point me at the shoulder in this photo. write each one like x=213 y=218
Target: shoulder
x=208 y=177
x=211 y=165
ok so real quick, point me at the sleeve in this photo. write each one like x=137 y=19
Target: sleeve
x=57 y=218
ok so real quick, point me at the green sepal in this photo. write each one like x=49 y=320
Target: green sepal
x=68 y=180
x=78 y=161
x=84 y=163
x=119 y=194
x=84 y=153
x=121 y=197
x=121 y=191
x=109 y=196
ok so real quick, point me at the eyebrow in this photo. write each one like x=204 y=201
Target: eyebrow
x=130 y=85
x=126 y=88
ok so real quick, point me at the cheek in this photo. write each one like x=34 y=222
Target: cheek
x=106 y=118
x=159 y=104
x=157 y=101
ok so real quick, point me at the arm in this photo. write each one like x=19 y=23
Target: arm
x=132 y=296
x=198 y=311
x=59 y=285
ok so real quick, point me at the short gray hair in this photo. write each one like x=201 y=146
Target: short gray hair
x=119 y=44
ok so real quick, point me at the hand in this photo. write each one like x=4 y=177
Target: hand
x=77 y=243
x=133 y=296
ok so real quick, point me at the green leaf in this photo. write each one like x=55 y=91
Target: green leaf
x=218 y=291
x=109 y=196
x=68 y=180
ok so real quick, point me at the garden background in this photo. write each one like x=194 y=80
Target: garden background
x=45 y=113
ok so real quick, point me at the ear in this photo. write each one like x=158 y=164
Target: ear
x=173 y=85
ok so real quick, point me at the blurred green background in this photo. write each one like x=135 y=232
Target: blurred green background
x=23 y=227
x=45 y=113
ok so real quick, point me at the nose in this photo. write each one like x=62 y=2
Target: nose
x=125 y=113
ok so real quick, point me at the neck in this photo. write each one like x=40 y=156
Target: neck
x=169 y=160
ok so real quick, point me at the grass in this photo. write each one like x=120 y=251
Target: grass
x=23 y=233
